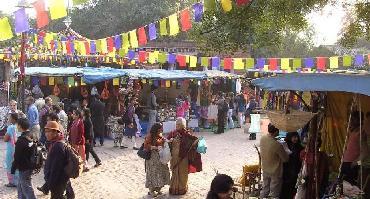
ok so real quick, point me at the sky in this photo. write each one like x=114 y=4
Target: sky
x=327 y=22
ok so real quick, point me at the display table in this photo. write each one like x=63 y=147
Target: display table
x=169 y=126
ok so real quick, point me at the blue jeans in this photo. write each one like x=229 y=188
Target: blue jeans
x=152 y=119
x=25 y=189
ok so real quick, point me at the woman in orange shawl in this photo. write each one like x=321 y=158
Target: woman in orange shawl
x=181 y=144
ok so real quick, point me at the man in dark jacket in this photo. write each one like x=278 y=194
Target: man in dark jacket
x=222 y=107
x=22 y=160
x=55 y=177
x=97 y=116
x=89 y=135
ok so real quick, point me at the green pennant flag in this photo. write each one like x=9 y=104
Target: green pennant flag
x=297 y=63
x=78 y=2
x=347 y=61
x=249 y=63
x=209 y=5
x=162 y=58
x=163 y=27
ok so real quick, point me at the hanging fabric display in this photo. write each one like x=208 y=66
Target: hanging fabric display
x=57 y=9
x=142 y=36
x=152 y=32
x=21 y=21
x=133 y=39
x=163 y=27
x=185 y=20
x=5 y=29
x=42 y=16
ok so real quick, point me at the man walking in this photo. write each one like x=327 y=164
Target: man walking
x=273 y=155
x=97 y=117
x=152 y=104
x=56 y=179
x=22 y=160
x=43 y=114
x=33 y=117
x=223 y=108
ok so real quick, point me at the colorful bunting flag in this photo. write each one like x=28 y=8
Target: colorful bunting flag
x=171 y=58
x=368 y=58
x=142 y=36
x=297 y=63
x=209 y=5
x=273 y=64
x=103 y=46
x=204 y=61
x=239 y=64
x=309 y=62
x=42 y=16
x=21 y=21
x=142 y=56
x=133 y=39
x=110 y=44
x=5 y=29
x=260 y=63
x=334 y=62
x=242 y=2
x=92 y=47
x=321 y=63
x=198 y=12
x=249 y=63
x=168 y=83
x=185 y=20
x=78 y=2
x=216 y=61
x=228 y=62
x=87 y=47
x=359 y=60
x=125 y=41
x=57 y=9
x=193 y=61
x=174 y=24
x=347 y=61
x=163 y=27
x=226 y=5
x=131 y=54
x=285 y=64
x=117 y=42
x=152 y=58
x=162 y=58
x=152 y=32
x=181 y=59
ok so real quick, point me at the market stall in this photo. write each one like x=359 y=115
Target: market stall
x=340 y=94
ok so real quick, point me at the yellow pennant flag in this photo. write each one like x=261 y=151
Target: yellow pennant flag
x=57 y=9
x=334 y=62
x=151 y=58
x=125 y=41
x=193 y=61
x=226 y=5
x=174 y=24
x=47 y=39
x=239 y=64
x=285 y=64
x=82 y=47
x=51 y=81
x=163 y=27
x=116 y=82
x=5 y=29
x=103 y=46
x=133 y=39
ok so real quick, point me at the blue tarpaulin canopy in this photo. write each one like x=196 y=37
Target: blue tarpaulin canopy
x=53 y=71
x=353 y=83
x=162 y=74
x=95 y=75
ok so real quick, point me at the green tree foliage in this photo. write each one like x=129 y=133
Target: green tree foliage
x=257 y=25
x=358 y=24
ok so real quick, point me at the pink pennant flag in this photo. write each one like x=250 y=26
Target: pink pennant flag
x=185 y=20
x=321 y=63
x=228 y=63
x=110 y=44
x=42 y=16
x=142 y=36
x=273 y=64
x=142 y=56
x=181 y=59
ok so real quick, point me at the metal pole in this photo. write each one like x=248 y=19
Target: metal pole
x=21 y=65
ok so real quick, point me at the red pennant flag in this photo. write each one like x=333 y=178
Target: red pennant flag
x=273 y=64
x=87 y=47
x=68 y=47
x=368 y=58
x=42 y=16
x=142 y=36
x=142 y=56
x=110 y=44
x=242 y=2
x=321 y=63
x=185 y=20
x=228 y=63
x=52 y=45
x=181 y=59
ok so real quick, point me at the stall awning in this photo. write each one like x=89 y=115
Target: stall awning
x=53 y=71
x=95 y=75
x=161 y=74
x=353 y=83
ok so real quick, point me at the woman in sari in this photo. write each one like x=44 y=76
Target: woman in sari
x=157 y=173
x=77 y=136
x=10 y=138
x=181 y=143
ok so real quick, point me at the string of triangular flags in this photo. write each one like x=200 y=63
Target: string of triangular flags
x=359 y=61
